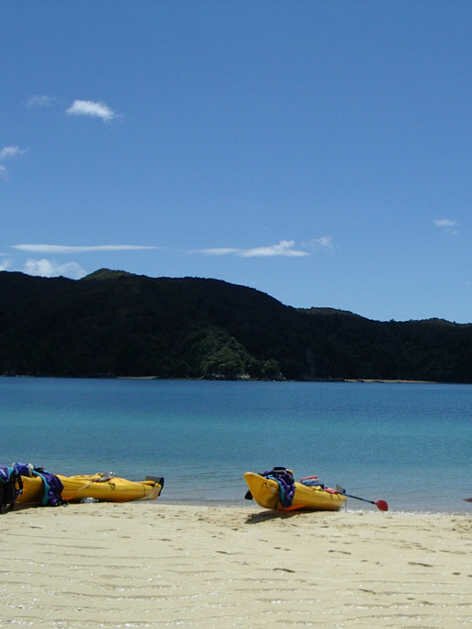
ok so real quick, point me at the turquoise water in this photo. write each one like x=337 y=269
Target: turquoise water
x=407 y=443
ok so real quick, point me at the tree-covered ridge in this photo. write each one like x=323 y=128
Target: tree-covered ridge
x=113 y=323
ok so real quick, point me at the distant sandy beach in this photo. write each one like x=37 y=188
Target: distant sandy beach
x=391 y=381
x=157 y=565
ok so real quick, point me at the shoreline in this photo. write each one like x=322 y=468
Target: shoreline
x=236 y=379
x=159 y=565
x=349 y=509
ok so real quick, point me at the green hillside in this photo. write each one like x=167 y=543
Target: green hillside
x=113 y=323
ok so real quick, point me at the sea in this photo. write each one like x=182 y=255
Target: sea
x=407 y=443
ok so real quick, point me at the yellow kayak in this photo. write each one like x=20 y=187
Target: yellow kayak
x=266 y=492
x=98 y=486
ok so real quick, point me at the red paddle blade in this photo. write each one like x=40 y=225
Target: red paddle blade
x=382 y=505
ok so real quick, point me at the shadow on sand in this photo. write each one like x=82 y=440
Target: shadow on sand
x=265 y=516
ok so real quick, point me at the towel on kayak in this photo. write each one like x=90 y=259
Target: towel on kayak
x=286 y=481
x=11 y=476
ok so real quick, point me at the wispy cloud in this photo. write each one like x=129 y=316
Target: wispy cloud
x=58 y=249
x=217 y=251
x=324 y=241
x=49 y=268
x=446 y=224
x=11 y=151
x=283 y=248
x=321 y=242
x=4 y=264
x=7 y=152
x=91 y=108
x=40 y=100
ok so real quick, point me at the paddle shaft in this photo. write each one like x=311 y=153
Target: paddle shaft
x=372 y=502
x=382 y=505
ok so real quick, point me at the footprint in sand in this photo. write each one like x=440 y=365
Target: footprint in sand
x=420 y=563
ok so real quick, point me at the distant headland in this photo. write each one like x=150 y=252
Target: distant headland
x=117 y=324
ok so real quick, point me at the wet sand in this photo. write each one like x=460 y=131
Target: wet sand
x=157 y=565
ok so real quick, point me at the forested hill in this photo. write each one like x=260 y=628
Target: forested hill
x=113 y=323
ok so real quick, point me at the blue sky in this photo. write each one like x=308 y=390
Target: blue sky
x=317 y=151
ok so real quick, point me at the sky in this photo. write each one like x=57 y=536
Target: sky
x=317 y=151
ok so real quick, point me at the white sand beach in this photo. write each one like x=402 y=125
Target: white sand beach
x=158 y=565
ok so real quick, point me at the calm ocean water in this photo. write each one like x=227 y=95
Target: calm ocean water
x=410 y=444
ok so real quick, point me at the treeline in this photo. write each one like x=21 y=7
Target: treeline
x=113 y=323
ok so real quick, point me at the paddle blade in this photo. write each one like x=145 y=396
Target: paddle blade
x=382 y=505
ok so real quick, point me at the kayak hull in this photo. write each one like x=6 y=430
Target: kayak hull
x=265 y=492
x=80 y=487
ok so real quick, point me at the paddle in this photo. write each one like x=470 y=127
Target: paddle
x=382 y=505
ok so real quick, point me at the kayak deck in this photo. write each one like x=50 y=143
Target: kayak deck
x=97 y=486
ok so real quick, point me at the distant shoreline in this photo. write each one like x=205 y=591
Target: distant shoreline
x=242 y=379
x=394 y=381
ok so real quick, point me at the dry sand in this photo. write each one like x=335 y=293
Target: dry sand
x=158 y=565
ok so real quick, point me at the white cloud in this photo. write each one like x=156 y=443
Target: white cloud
x=6 y=153
x=91 y=108
x=218 y=251
x=11 y=151
x=58 y=249
x=40 y=100
x=49 y=268
x=446 y=224
x=282 y=248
